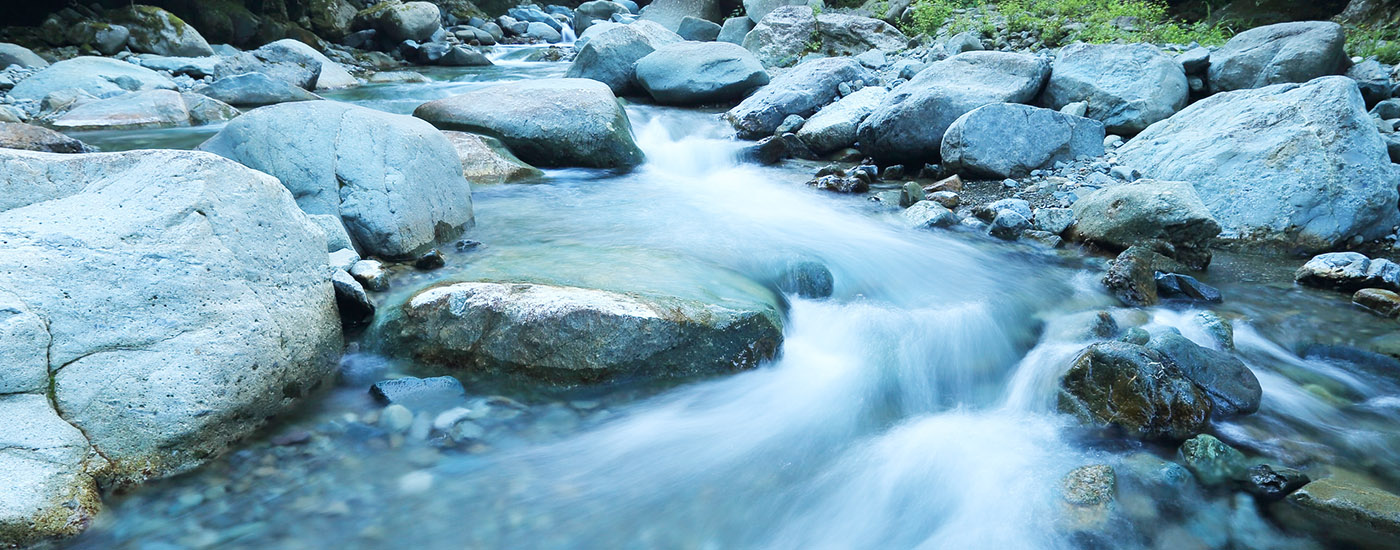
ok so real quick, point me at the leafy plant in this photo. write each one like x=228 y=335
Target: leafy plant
x=1383 y=43
x=1061 y=21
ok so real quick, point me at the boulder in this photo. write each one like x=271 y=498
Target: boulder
x=186 y=299
x=1121 y=216
x=843 y=34
x=15 y=54
x=1278 y=54
x=330 y=75
x=735 y=29
x=783 y=36
x=148 y=109
x=16 y=135
x=1347 y=511
x=154 y=30
x=460 y=56
x=1133 y=388
x=330 y=19
x=687 y=73
x=416 y=21
x=929 y=214
x=542 y=32
x=547 y=122
x=1176 y=286
x=395 y=181
x=908 y=125
x=1373 y=78
x=834 y=126
x=1132 y=276
x=1212 y=461
x=194 y=67
x=758 y=9
x=1232 y=387
x=254 y=89
x=99 y=76
x=669 y=13
x=1003 y=140
x=1127 y=86
x=569 y=334
x=420 y=394
x=47 y=491
x=800 y=91
x=1348 y=272
x=1300 y=164
x=595 y=11
x=611 y=56
x=700 y=30
x=485 y=160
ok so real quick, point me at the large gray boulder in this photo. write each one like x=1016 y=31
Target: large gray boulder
x=287 y=61
x=758 y=9
x=735 y=29
x=15 y=54
x=611 y=56
x=570 y=334
x=255 y=89
x=1278 y=54
x=669 y=13
x=595 y=11
x=148 y=109
x=783 y=36
x=1293 y=163
x=1003 y=140
x=186 y=300
x=908 y=126
x=1348 y=271
x=330 y=75
x=547 y=122
x=843 y=34
x=47 y=490
x=1127 y=86
x=700 y=72
x=416 y=21
x=800 y=91
x=154 y=30
x=394 y=181
x=699 y=30
x=834 y=126
x=99 y=76
x=1232 y=387
x=1135 y=389
x=1121 y=216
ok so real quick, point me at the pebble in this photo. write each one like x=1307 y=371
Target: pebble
x=416 y=482
x=396 y=418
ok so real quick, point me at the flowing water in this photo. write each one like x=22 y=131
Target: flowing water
x=912 y=409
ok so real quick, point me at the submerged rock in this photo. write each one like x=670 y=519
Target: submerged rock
x=485 y=160
x=1232 y=387
x=1212 y=461
x=548 y=122
x=420 y=394
x=1345 y=511
x=569 y=334
x=1136 y=389
x=1271 y=484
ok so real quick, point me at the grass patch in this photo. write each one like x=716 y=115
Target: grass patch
x=1057 y=22
x=1383 y=43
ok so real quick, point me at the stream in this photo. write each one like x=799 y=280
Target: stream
x=914 y=408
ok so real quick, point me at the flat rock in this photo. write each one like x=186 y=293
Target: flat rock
x=99 y=76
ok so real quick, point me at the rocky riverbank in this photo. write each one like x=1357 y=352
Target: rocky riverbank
x=160 y=306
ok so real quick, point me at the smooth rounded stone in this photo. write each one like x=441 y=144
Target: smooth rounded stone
x=351 y=300
x=968 y=41
x=588 y=13
x=396 y=419
x=436 y=394
x=330 y=18
x=1373 y=79
x=1132 y=388
x=371 y=274
x=548 y=122
x=1008 y=225
x=1348 y=271
x=99 y=76
x=929 y=214
x=735 y=29
x=1089 y=485
x=781 y=38
x=566 y=334
x=1232 y=387
x=910 y=193
x=844 y=34
x=834 y=126
x=1175 y=286
x=1212 y=461
x=1383 y=302
x=330 y=75
x=670 y=13
x=398 y=77
x=1272 y=484
x=908 y=125
x=1387 y=110
x=611 y=55
x=395 y=181
x=991 y=210
x=1004 y=140
x=466 y=430
x=460 y=56
x=800 y=91
x=220 y=283
x=15 y=54
x=1344 y=510
x=1257 y=161
x=687 y=73
x=46 y=491
x=288 y=64
x=417 y=21
x=1278 y=54
x=17 y=135
x=194 y=67
x=1121 y=216
x=154 y=30
x=806 y=278
x=542 y=32
x=254 y=89
x=1053 y=220
x=1127 y=86
x=485 y=160
x=148 y=109
x=697 y=29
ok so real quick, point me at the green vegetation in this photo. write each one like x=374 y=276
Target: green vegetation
x=1057 y=22
x=1383 y=43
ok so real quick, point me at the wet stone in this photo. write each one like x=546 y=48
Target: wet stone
x=1379 y=301
x=807 y=278
x=1270 y=483
x=429 y=261
x=1175 y=286
x=1212 y=461
x=420 y=394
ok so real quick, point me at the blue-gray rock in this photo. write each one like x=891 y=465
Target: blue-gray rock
x=1232 y=387
x=417 y=21
x=1008 y=225
x=908 y=125
x=1373 y=79
x=1004 y=140
x=194 y=67
x=1300 y=164
x=394 y=180
x=1387 y=110
x=669 y=13
x=610 y=54
x=834 y=126
x=844 y=34
x=99 y=76
x=420 y=394
x=17 y=135
x=1278 y=54
x=351 y=301
x=806 y=278
x=697 y=29
x=546 y=122
x=15 y=54
x=800 y=91
x=1127 y=86
x=1212 y=461
x=49 y=492
x=1120 y=216
x=329 y=74
x=1348 y=271
x=1176 y=286
x=254 y=89
x=735 y=29
x=1133 y=388
x=758 y=9
x=542 y=32
x=154 y=30
x=700 y=72
x=148 y=109
x=594 y=11
x=1194 y=61
x=929 y=214
x=461 y=56
x=783 y=36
